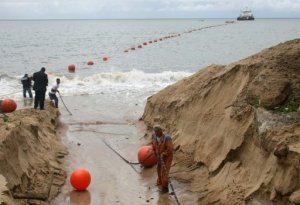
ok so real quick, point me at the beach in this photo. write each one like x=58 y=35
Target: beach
x=212 y=113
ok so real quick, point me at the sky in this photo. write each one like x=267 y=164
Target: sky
x=141 y=9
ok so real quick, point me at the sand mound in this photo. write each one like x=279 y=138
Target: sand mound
x=30 y=154
x=236 y=128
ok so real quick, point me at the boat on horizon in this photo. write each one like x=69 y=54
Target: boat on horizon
x=245 y=15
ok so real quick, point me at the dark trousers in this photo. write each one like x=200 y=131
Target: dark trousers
x=29 y=92
x=39 y=99
x=54 y=97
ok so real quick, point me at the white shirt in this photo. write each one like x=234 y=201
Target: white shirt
x=54 y=89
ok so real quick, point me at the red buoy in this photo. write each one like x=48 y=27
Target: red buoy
x=150 y=41
x=8 y=105
x=80 y=179
x=145 y=43
x=105 y=58
x=146 y=156
x=71 y=68
x=90 y=62
x=155 y=41
x=132 y=48
x=125 y=51
x=140 y=46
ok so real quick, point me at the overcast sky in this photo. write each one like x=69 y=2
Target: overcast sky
x=111 y=9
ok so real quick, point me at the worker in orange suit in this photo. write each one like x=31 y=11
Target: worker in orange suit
x=163 y=148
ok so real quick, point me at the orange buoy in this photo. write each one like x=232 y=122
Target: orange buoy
x=71 y=68
x=8 y=105
x=105 y=58
x=80 y=179
x=90 y=62
x=146 y=156
x=140 y=46
x=126 y=51
x=145 y=43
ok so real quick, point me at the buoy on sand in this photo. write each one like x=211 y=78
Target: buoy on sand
x=71 y=68
x=8 y=105
x=80 y=179
x=146 y=156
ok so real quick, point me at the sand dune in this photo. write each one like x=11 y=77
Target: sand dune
x=30 y=157
x=236 y=128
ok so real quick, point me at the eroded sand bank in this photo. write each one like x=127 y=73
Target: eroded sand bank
x=236 y=128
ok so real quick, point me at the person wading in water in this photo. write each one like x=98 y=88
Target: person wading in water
x=40 y=86
x=52 y=93
x=26 y=82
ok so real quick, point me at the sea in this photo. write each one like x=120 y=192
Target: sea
x=107 y=98
x=28 y=45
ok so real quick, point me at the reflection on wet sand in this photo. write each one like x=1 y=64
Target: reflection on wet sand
x=28 y=102
x=164 y=199
x=80 y=198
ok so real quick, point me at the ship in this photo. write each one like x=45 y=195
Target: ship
x=245 y=15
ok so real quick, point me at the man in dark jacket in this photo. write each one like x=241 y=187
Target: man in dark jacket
x=40 y=86
x=26 y=81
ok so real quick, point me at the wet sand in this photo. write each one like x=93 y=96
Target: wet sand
x=113 y=180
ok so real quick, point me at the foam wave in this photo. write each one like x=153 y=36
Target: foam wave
x=73 y=84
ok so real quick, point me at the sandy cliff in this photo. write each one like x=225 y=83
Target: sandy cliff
x=30 y=157
x=236 y=128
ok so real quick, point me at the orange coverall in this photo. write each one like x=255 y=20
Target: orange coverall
x=163 y=147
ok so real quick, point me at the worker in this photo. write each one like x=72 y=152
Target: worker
x=163 y=148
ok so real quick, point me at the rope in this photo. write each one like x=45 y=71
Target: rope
x=64 y=104
x=127 y=161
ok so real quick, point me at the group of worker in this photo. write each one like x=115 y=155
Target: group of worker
x=162 y=143
x=40 y=80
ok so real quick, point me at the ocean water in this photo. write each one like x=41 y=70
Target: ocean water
x=26 y=46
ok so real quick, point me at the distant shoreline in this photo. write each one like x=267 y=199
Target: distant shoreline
x=126 y=19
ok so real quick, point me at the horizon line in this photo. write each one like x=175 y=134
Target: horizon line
x=76 y=19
